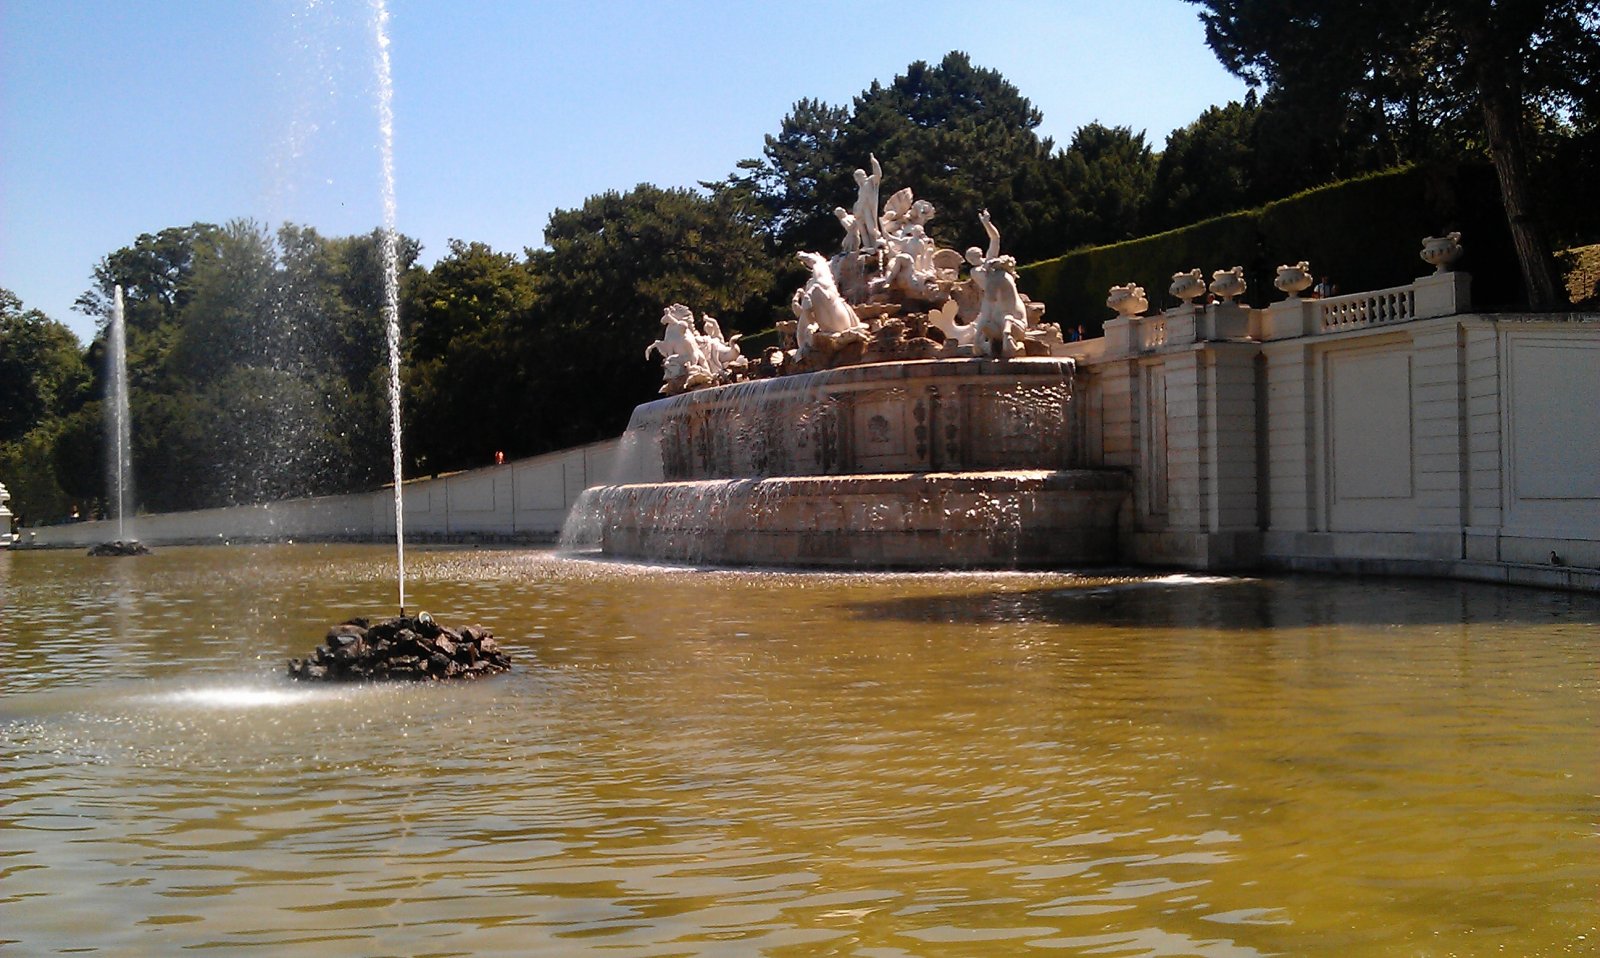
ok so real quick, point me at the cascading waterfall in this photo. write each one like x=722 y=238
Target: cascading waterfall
x=120 y=460
x=962 y=463
x=391 y=276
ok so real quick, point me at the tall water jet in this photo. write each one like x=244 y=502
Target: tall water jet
x=119 y=459
x=391 y=277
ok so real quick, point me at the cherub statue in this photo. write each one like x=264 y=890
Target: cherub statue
x=911 y=271
x=852 y=236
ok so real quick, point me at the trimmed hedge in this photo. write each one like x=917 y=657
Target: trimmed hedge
x=1364 y=233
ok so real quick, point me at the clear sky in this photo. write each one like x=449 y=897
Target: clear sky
x=121 y=117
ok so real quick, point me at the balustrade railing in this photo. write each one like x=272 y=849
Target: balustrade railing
x=1152 y=332
x=1360 y=310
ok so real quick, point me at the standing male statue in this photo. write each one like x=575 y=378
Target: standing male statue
x=866 y=208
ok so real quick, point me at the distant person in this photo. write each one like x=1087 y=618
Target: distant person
x=1325 y=288
x=499 y=458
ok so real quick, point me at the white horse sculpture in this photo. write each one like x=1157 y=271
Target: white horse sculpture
x=681 y=354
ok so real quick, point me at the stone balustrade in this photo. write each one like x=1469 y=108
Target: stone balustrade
x=1358 y=311
x=1152 y=332
x=1442 y=294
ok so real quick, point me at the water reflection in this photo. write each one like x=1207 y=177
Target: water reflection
x=714 y=762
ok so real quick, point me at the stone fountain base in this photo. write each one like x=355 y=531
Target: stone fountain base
x=988 y=519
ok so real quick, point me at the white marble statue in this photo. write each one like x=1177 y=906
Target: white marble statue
x=722 y=354
x=1002 y=320
x=866 y=209
x=896 y=214
x=852 y=237
x=911 y=271
x=683 y=361
x=820 y=310
x=944 y=320
x=921 y=212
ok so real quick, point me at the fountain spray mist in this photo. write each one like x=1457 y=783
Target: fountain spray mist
x=120 y=461
x=391 y=276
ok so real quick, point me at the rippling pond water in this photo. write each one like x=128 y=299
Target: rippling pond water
x=693 y=762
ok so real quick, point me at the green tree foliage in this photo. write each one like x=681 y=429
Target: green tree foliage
x=1403 y=75
x=28 y=467
x=1208 y=167
x=470 y=358
x=961 y=136
x=608 y=270
x=253 y=366
x=43 y=377
x=156 y=275
x=42 y=373
x=1109 y=173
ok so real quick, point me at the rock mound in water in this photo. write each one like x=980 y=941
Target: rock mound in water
x=131 y=547
x=414 y=649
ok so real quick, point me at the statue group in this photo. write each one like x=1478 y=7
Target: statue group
x=889 y=293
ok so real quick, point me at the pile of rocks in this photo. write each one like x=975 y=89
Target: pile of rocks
x=415 y=649
x=130 y=547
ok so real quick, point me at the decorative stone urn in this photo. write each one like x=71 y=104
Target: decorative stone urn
x=1188 y=286
x=1293 y=279
x=1228 y=283
x=1127 y=300
x=1441 y=251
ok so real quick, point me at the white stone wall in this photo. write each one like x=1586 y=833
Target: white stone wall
x=1390 y=440
x=524 y=500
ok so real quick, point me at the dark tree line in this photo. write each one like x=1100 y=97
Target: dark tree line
x=256 y=357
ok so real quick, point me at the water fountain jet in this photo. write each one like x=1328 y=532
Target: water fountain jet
x=119 y=444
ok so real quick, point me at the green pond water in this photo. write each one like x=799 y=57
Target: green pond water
x=697 y=762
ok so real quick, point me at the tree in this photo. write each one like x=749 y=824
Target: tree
x=253 y=365
x=607 y=272
x=28 y=465
x=468 y=321
x=155 y=274
x=1208 y=167
x=1109 y=172
x=42 y=372
x=1489 y=69
x=959 y=135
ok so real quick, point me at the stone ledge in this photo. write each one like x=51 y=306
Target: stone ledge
x=1506 y=573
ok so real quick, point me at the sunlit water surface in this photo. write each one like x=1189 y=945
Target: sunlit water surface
x=721 y=763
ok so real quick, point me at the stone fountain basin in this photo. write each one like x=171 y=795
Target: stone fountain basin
x=979 y=519
x=949 y=415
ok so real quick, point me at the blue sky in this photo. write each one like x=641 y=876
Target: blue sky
x=120 y=118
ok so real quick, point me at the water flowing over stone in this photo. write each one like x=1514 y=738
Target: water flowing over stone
x=949 y=463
